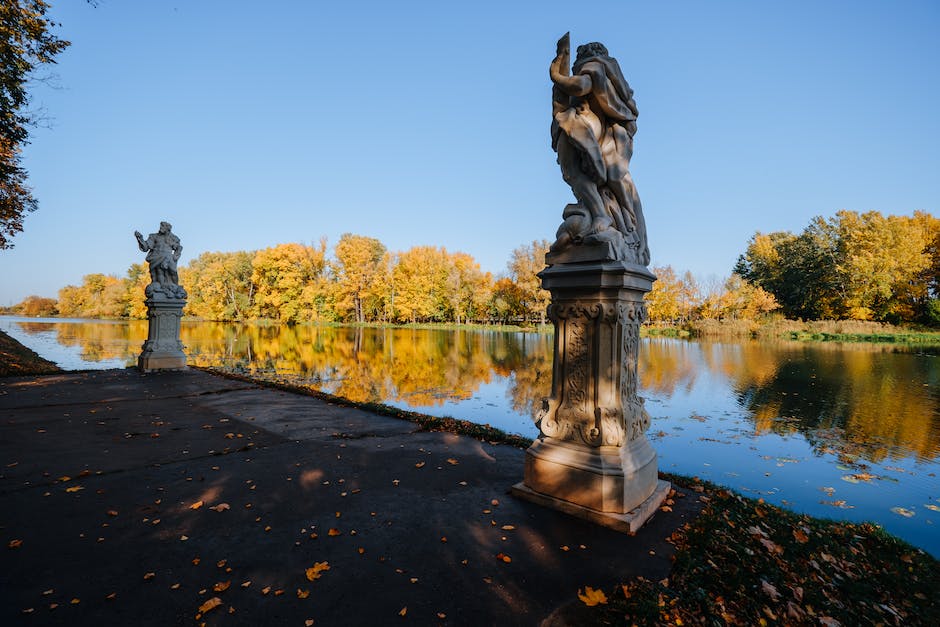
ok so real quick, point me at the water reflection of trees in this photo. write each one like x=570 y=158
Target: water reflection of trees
x=871 y=401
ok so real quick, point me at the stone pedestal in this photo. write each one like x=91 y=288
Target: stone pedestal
x=163 y=349
x=592 y=458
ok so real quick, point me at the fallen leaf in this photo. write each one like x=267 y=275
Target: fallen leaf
x=112 y=512
x=184 y=538
x=769 y=590
x=75 y=601
x=74 y=488
x=245 y=584
x=800 y=536
x=419 y=465
x=771 y=546
x=148 y=576
x=315 y=571
x=403 y=611
x=901 y=511
x=15 y=544
x=302 y=594
x=592 y=597
x=308 y=622
x=503 y=557
x=932 y=507
x=452 y=461
x=334 y=532
x=175 y=586
x=266 y=590
x=197 y=505
x=221 y=507
x=211 y=604
x=222 y=586
x=507 y=527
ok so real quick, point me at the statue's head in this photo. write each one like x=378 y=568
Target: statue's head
x=165 y=227
x=593 y=49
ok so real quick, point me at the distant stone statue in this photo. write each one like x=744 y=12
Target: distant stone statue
x=163 y=250
x=594 y=120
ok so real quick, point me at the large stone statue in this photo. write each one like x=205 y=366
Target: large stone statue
x=163 y=250
x=592 y=458
x=593 y=123
x=165 y=301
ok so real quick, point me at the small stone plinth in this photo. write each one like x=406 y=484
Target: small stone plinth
x=625 y=523
x=163 y=349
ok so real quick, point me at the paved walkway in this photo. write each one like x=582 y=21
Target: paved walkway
x=102 y=475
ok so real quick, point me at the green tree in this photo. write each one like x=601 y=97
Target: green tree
x=26 y=41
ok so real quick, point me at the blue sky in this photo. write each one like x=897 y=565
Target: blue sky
x=427 y=123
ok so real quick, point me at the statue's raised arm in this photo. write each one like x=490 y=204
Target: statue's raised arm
x=593 y=123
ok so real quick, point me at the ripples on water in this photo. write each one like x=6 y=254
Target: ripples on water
x=838 y=430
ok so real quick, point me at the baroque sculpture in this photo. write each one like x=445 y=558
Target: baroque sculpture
x=163 y=250
x=593 y=124
x=592 y=458
x=165 y=301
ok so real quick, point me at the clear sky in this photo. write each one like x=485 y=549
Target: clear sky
x=249 y=124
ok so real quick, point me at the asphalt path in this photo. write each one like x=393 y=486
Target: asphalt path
x=137 y=499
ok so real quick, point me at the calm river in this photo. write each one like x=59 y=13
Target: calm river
x=837 y=430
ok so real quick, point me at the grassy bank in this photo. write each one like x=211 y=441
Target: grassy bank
x=744 y=562
x=17 y=360
x=812 y=330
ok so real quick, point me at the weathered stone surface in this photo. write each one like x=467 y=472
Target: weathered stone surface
x=163 y=349
x=592 y=458
x=593 y=124
x=163 y=250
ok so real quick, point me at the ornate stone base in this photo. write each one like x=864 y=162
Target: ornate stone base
x=629 y=522
x=163 y=349
x=607 y=479
x=592 y=458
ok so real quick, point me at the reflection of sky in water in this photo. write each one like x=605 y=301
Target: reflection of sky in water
x=66 y=352
x=829 y=443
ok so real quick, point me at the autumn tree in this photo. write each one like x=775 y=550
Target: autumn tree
x=133 y=300
x=220 y=285
x=857 y=266
x=506 y=301
x=673 y=299
x=26 y=42
x=467 y=288
x=36 y=307
x=99 y=296
x=419 y=279
x=524 y=265
x=288 y=280
x=357 y=273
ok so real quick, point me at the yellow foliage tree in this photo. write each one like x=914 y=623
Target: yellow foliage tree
x=286 y=281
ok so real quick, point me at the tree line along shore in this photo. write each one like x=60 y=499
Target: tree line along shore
x=869 y=271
